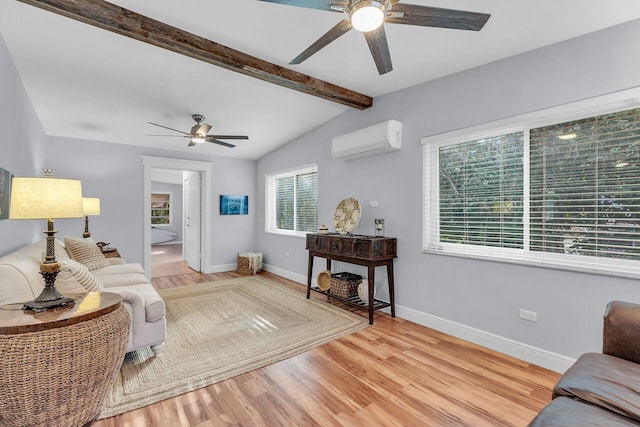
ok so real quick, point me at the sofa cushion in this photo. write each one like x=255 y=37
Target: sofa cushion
x=75 y=277
x=606 y=381
x=119 y=269
x=566 y=412
x=86 y=252
x=154 y=304
x=123 y=279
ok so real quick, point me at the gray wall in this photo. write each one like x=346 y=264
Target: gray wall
x=176 y=201
x=480 y=294
x=114 y=173
x=21 y=146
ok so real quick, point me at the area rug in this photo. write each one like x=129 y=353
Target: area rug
x=221 y=329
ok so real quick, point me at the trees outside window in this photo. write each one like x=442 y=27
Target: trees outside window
x=565 y=195
x=161 y=208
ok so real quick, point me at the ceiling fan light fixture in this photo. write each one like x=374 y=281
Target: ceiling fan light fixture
x=197 y=139
x=367 y=15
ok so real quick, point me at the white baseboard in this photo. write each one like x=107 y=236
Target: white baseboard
x=220 y=268
x=546 y=359
x=528 y=353
x=302 y=279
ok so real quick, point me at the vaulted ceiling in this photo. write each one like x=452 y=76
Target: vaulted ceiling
x=89 y=83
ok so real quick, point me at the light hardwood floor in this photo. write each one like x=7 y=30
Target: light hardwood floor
x=394 y=373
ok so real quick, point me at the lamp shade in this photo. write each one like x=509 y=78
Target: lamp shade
x=45 y=198
x=91 y=205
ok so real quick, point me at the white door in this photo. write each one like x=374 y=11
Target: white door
x=192 y=209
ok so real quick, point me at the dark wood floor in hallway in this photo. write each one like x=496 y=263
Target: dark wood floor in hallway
x=394 y=373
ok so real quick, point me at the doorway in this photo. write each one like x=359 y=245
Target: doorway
x=197 y=235
x=175 y=222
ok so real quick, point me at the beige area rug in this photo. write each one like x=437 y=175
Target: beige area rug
x=221 y=329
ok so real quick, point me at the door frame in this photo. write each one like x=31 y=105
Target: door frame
x=206 y=198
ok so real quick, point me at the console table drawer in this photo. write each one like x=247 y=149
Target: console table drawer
x=364 y=247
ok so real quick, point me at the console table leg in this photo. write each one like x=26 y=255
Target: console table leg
x=309 y=273
x=392 y=298
x=371 y=272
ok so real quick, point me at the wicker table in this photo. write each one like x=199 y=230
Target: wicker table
x=57 y=366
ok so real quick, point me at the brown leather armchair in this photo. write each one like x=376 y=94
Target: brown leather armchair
x=602 y=389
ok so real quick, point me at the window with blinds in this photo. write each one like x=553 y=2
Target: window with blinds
x=585 y=187
x=292 y=201
x=563 y=195
x=480 y=192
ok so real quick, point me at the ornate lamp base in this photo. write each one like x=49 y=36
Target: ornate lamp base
x=46 y=305
x=49 y=297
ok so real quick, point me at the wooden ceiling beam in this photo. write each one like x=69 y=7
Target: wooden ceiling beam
x=113 y=18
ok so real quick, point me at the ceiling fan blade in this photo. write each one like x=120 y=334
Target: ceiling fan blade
x=226 y=144
x=172 y=136
x=341 y=28
x=311 y=4
x=166 y=127
x=377 y=41
x=227 y=137
x=200 y=129
x=427 y=16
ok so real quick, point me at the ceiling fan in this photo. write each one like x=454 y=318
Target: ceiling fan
x=199 y=131
x=368 y=16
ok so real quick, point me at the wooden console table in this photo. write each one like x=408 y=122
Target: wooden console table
x=58 y=365
x=368 y=251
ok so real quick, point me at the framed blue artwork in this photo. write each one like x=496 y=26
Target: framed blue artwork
x=234 y=205
x=5 y=193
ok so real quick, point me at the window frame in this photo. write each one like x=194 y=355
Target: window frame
x=574 y=111
x=170 y=194
x=270 y=216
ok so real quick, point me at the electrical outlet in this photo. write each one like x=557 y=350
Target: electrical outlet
x=286 y=254
x=373 y=204
x=531 y=316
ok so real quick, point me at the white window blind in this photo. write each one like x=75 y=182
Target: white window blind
x=480 y=191
x=564 y=195
x=585 y=188
x=292 y=201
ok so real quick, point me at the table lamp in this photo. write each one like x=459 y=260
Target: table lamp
x=46 y=198
x=90 y=206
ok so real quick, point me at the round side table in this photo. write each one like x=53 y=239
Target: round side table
x=57 y=366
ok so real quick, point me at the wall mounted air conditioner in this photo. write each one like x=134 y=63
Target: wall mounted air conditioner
x=372 y=140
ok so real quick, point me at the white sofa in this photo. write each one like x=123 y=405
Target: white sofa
x=20 y=281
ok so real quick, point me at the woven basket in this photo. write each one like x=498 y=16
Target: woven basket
x=60 y=377
x=243 y=265
x=345 y=284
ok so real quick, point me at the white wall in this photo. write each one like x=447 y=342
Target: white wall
x=479 y=297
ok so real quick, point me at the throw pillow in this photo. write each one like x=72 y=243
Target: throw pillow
x=76 y=278
x=85 y=251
